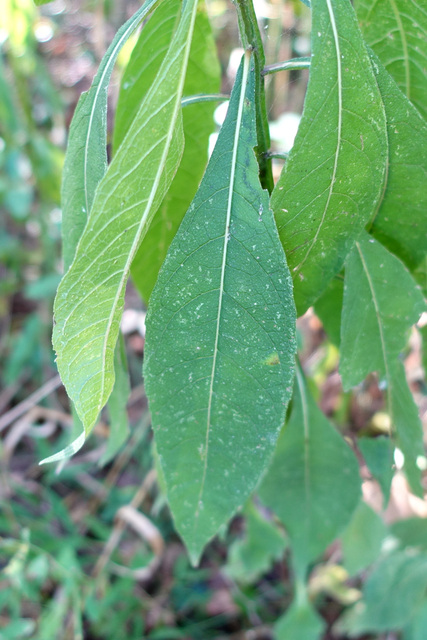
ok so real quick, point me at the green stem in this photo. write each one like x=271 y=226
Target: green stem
x=251 y=39
x=287 y=65
x=204 y=97
x=282 y=155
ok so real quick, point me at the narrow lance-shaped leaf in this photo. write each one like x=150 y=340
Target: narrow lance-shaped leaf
x=381 y=302
x=397 y=32
x=203 y=76
x=89 y=302
x=334 y=177
x=401 y=221
x=318 y=476
x=220 y=336
x=86 y=158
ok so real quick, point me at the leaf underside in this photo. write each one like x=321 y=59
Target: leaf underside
x=203 y=76
x=89 y=301
x=220 y=336
x=329 y=189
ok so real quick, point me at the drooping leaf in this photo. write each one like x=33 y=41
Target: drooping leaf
x=220 y=339
x=90 y=297
x=362 y=540
x=378 y=454
x=119 y=423
x=401 y=221
x=391 y=595
x=381 y=302
x=318 y=476
x=86 y=158
x=203 y=76
x=334 y=177
x=397 y=32
x=252 y=555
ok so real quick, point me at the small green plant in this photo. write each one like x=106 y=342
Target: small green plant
x=226 y=260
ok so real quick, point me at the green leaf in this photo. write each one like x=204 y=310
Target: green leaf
x=39 y=3
x=328 y=308
x=119 y=423
x=203 y=76
x=404 y=235
x=86 y=158
x=397 y=32
x=300 y=621
x=362 y=540
x=144 y=63
x=381 y=301
x=253 y=555
x=391 y=595
x=89 y=301
x=332 y=182
x=411 y=532
x=416 y=630
x=220 y=343
x=378 y=454
x=318 y=477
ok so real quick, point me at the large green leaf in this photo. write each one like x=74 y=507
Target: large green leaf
x=313 y=482
x=381 y=302
x=86 y=158
x=391 y=596
x=416 y=629
x=203 y=76
x=397 y=32
x=89 y=301
x=220 y=336
x=401 y=221
x=334 y=177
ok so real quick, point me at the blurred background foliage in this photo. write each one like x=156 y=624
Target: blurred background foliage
x=90 y=552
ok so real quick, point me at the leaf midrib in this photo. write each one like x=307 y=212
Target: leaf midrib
x=223 y=269
x=150 y=200
x=339 y=133
x=132 y=26
x=380 y=327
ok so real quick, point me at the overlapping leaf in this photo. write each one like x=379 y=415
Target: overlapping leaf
x=203 y=76
x=313 y=483
x=381 y=302
x=220 y=336
x=391 y=595
x=401 y=221
x=86 y=158
x=397 y=32
x=89 y=302
x=334 y=177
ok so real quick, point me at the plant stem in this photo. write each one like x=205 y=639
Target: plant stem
x=287 y=65
x=251 y=39
x=204 y=97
